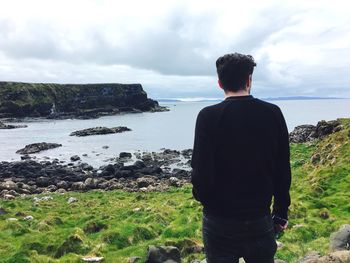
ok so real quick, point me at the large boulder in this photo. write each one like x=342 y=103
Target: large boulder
x=305 y=133
x=8 y=185
x=340 y=240
x=38 y=147
x=334 y=257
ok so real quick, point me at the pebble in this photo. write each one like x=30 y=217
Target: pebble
x=72 y=200
x=92 y=259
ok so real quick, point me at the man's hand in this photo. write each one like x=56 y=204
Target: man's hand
x=280 y=224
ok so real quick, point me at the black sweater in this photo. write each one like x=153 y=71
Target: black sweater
x=241 y=159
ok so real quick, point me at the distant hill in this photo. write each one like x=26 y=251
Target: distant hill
x=268 y=98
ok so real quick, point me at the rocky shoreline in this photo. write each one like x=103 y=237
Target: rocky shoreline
x=152 y=171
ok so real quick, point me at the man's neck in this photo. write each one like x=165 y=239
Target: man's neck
x=238 y=93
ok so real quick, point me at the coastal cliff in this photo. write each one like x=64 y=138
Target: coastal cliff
x=18 y=99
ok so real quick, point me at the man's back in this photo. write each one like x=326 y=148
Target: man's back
x=241 y=158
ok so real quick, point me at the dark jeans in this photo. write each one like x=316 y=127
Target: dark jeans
x=226 y=240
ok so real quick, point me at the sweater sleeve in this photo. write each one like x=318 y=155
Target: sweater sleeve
x=202 y=159
x=282 y=179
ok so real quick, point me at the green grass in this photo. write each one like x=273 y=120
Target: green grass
x=106 y=224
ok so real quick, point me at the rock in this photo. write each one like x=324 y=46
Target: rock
x=108 y=169
x=8 y=185
x=340 y=240
x=44 y=198
x=324 y=128
x=105 y=147
x=334 y=257
x=75 y=158
x=72 y=200
x=42 y=181
x=38 y=147
x=178 y=173
x=90 y=183
x=61 y=191
x=279 y=261
x=173 y=181
x=9 y=126
x=13 y=192
x=125 y=155
x=28 y=218
x=25 y=157
x=305 y=133
x=279 y=244
x=310 y=257
x=100 y=131
x=163 y=254
x=144 y=181
x=187 y=153
x=302 y=133
x=9 y=197
x=139 y=164
x=137 y=209
x=92 y=259
x=86 y=167
x=62 y=184
x=11 y=219
x=78 y=186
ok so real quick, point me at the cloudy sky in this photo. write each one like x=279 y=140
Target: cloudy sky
x=302 y=48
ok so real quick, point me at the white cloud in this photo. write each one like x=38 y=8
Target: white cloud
x=301 y=47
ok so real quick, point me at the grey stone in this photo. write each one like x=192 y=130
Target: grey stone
x=125 y=155
x=38 y=147
x=75 y=158
x=162 y=254
x=72 y=200
x=340 y=240
x=92 y=259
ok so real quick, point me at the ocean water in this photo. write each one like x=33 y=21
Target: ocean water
x=150 y=131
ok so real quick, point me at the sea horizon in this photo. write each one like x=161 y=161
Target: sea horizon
x=194 y=99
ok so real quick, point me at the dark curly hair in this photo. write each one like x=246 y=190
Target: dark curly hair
x=234 y=69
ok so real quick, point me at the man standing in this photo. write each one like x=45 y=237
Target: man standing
x=240 y=160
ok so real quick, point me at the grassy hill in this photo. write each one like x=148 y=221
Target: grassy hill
x=117 y=225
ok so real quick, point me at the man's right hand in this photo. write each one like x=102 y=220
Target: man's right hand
x=280 y=224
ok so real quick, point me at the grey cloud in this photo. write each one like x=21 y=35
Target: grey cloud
x=163 y=49
x=177 y=57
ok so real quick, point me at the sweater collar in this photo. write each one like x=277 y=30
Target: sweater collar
x=243 y=97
